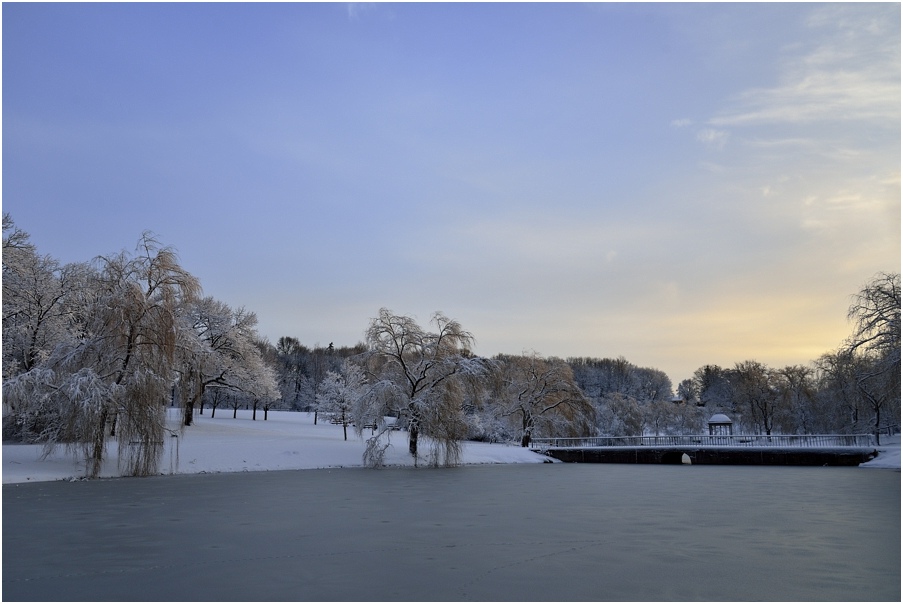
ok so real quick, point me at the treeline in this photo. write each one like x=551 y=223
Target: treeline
x=842 y=392
x=94 y=351
x=854 y=389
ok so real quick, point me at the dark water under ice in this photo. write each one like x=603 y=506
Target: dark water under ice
x=513 y=532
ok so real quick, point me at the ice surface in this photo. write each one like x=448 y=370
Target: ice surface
x=512 y=532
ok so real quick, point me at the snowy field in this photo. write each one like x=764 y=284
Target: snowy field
x=286 y=441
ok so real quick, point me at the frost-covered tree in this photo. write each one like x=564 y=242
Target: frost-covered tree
x=650 y=386
x=115 y=375
x=713 y=389
x=221 y=350
x=688 y=419
x=418 y=376
x=340 y=393
x=628 y=399
x=620 y=415
x=598 y=377
x=301 y=370
x=290 y=355
x=660 y=416
x=39 y=301
x=540 y=396
x=320 y=363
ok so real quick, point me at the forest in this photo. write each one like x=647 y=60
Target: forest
x=98 y=350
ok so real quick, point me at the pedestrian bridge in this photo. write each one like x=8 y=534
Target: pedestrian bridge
x=709 y=440
x=707 y=449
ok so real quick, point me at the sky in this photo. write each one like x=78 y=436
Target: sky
x=677 y=184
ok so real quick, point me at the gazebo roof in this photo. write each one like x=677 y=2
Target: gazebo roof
x=720 y=418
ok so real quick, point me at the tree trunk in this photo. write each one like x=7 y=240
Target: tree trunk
x=97 y=456
x=412 y=440
x=234 y=412
x=189 y=413
x=265 y=411
x=528 y=430
x=878 y=425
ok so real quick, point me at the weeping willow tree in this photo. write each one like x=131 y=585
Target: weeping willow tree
x=113 y=374
x=420 y=377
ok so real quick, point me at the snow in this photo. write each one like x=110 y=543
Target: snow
x=286 y=441
x=888 y=454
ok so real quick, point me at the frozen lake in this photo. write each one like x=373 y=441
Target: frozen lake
x=512 y=532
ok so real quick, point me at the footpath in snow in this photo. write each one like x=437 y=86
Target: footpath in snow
x=286 y=441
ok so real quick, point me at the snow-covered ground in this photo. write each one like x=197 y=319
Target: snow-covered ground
x=888 y=454
x=286 y=441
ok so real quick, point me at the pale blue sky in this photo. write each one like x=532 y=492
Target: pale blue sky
x=677 y=184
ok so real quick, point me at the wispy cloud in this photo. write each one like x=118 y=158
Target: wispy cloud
x=850 y=73
x=820 y=96
x=713 y=137
x=356 y=9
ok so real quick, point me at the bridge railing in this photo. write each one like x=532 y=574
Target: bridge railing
x=708 y=440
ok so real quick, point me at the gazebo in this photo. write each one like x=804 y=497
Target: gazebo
x=720 y=425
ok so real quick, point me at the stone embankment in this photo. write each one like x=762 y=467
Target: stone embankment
x=766 y=456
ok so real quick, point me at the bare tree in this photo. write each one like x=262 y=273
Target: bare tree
x=796 y=389
x=839 y=404
x=875 y=312
x=215 y=397
x=688 y=392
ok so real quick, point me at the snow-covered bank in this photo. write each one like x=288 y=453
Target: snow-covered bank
x=888 y=454
x=286 y=441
